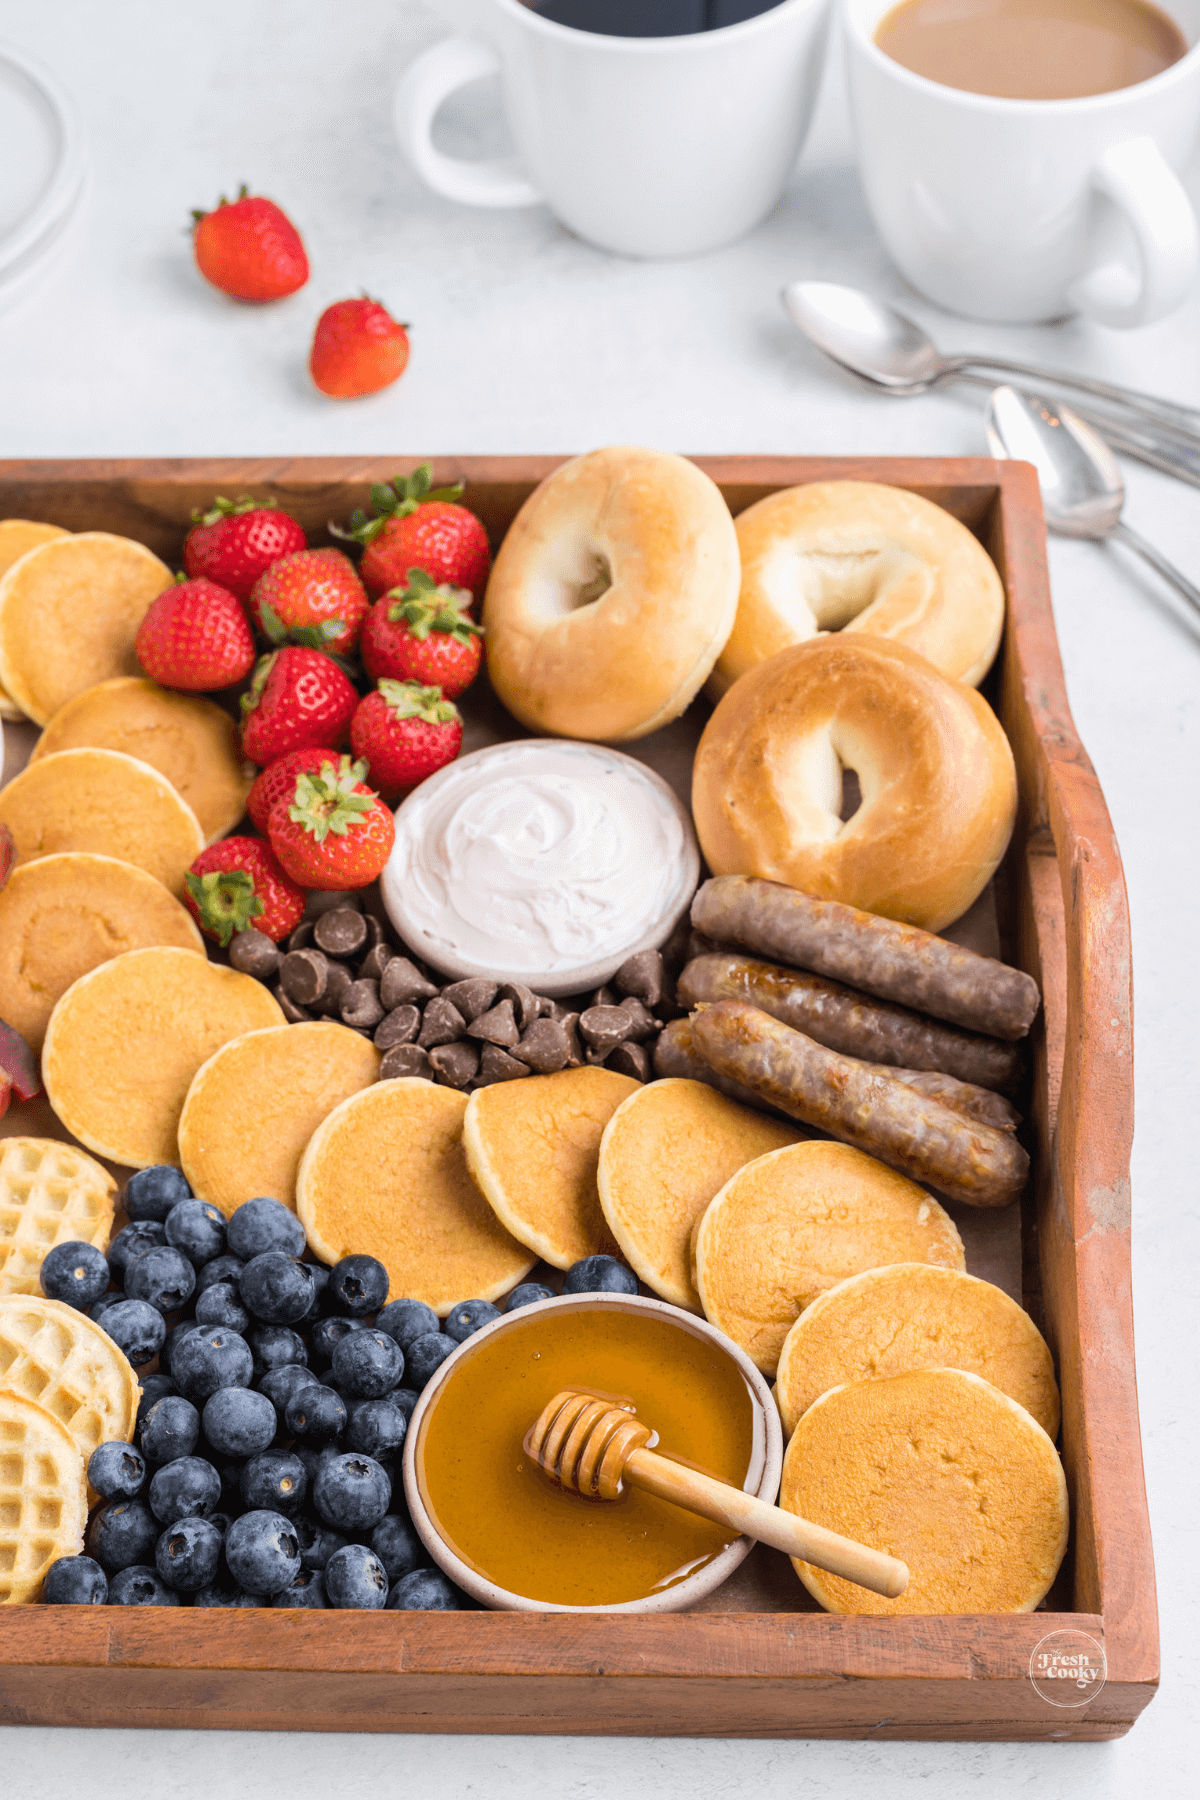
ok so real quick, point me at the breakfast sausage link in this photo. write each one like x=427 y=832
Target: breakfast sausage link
x=855 y=1024
x=676 y=1057
x=868 y=1108
x=880 y=956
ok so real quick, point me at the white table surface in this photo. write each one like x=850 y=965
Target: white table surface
x=525 y=339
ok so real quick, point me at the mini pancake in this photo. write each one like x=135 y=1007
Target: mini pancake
x=69 y=615
x=665 y=1153
x=798 y=1221
x=913 y=1316
x=125 y=1041
x=16 y=537
x=107 y=803
x=943 y=1470
x=63 y=915
x=185 y=737
x=385 y=1175
x=534 y=1147
x=252 y=1108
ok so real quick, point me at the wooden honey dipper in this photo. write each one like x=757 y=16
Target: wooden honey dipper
x=591 y=1447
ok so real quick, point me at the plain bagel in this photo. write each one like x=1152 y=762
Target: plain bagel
x=857 y=556
x=939 y=788
x=612 y=595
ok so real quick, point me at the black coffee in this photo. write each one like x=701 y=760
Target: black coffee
x=649 y=18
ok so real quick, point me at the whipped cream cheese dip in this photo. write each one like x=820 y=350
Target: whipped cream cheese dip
x=542 y=861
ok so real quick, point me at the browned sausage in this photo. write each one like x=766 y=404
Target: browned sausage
x=865 y=1107
x=676 y=1056
x=879 y=956
x=855 y=1024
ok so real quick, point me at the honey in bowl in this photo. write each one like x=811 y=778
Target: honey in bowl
x=516 y=1527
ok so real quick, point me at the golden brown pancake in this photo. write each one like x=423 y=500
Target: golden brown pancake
x=125 y=1041
x=50 y=1193
x=252 y=1108
x=938 y=1468
x=43 y=1497
x=914 y=1316
x=16 y=537
x=665 y=1153
x=798 y=1221
x=534 y=1146
x=385 y=1175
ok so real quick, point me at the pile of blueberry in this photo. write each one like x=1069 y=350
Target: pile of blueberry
x=266 y=1467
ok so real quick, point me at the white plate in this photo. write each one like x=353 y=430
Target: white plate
x=43 y=169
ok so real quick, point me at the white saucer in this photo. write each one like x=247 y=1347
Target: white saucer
x=43 y=170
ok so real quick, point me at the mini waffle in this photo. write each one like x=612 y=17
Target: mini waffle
x=16 y=537
x=43 y=1497
x=49 y=1194
x=58 y=1357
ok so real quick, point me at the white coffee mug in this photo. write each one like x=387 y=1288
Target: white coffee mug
x=1026 y=210
x=647 y=146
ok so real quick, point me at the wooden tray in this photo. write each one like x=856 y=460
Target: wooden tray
x=760 y=1662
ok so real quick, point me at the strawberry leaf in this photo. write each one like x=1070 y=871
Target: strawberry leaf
x=315 y=637
x=230 y=509
x=410 y=700
x=328 y=802
x=272 y=624
x=225 y=900
x=424 y=607
x=397 y=499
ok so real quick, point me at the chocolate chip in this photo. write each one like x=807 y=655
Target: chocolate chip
x=604 y=1026
x=341 y=932
x=497 y=1065
x=326 y=900
x=570 y=1025
x=644 y=1024
x=253 y=953
x=454 y=1065
x=603 y=996
x=301 y=936
x=405 y=1059
x=375 y=931
x=640 y=976
x=472 y=997
x=303 y=974
x=295 y=1015
x=375 y=962
x=545 y=1006
x=442 y=1024
x=566 y=1009
x=594 y=1057
x=544 y=1046
x=497 y=1026
x=361 y=1006
x=525 y=1003
x=337 y=986
x=402 y=982
x=630 y=1059
x=400 y=1026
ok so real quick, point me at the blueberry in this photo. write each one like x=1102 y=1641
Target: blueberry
x=359 y=1285
x=197 y=1229
x=316 y=1415
x=143 y=1234
x=76 y=1273
x=368 y=1363
x=220 y=1304
x=221 y=1268
x=170 y=1429
x=376 y=1428
x=117 y=1471
x=406 y=1320
x=351 y=1492
x=140 y=1585
x=397 y=1546
x=75 y=1581
x=274 y=1480
x=599 y=1275
x=279 y=1385
x=260 y=1225
x=427 y=1353
x=307 y=1589
x=425 y=1590
x=175 y=1336
x=327 y=1334
x=229 y=1468
x=238 y=1422
x=136 y=1328
x=121 y=1533
x=275 y=1346
x=153 y=1192
x=528 y=1294
x=221 y=1594
x=209 y=1358
x=317 y=1542
x=187 y=1554
x=154 y=1389
x=320 y=1289
x=164 y=1277
x=262 y=1552
x=220 y=1522
x=406 y=1399
x=188 y=1488
x=354 y=1576
x=468 y=1317
x=99 y=1307
x=277 y=1290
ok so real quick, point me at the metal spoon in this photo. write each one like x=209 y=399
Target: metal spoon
x=1082 y=489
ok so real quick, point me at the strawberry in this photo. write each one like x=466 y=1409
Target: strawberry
x=279 y=778
x=18 y=1066
x=195 y=636
x=405 y=732
x=238 y=882
x=8 y=854
x=418 y=525
x=236 y=540
x=333 y=832
x=298 y=697
x=313 y=597
x=249 y=248
x=5 y=1093
x=357 y=349
x=421 y=633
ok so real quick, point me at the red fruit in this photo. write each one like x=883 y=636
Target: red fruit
x=405 y=732
x=357 y=348
x=238 y=883
x=235 y=540
x=333 y=832
x=421 y=633
x=5 y=1094
x=195 y=636
x=18 y=1065
x=313 y=597
x=8 y=854
x=419 y=526
x=249 y=249
x=279 y=778
x=298 y=698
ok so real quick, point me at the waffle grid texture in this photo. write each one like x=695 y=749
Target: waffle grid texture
x=43 y=1501
x=49 y=1194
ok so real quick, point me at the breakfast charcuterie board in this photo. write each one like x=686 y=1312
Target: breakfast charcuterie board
x=754 y=1657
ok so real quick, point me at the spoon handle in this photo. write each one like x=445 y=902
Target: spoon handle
x=1135 y=541
x=1158 y=410
x=1170 y=455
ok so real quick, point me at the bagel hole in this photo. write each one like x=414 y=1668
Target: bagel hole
x=599 y=584
x=851 y=795
x=583 y=577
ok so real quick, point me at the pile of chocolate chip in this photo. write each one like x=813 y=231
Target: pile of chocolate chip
x=465 y=1034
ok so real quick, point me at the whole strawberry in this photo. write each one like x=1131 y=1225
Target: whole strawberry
x=333 y=832
x=279 y=778
x=405 y=732
x=415 y=525
x=237 y=883
x=357 y=349
x=312 y=597
x=298 y=698
x=195 y=636
x=236 y=540
x=249 y=248
x=422 y=633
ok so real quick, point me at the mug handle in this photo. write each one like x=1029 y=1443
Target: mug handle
x=1150 y=198
x=421 y=90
